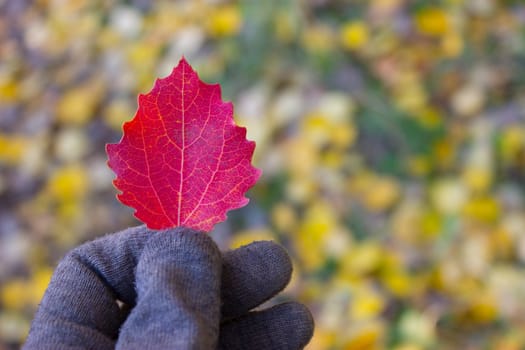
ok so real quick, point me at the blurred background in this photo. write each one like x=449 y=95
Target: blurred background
x=391 y=134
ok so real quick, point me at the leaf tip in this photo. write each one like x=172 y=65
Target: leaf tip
x=183 y=64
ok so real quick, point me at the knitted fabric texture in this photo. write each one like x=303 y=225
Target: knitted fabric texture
x=172 y=289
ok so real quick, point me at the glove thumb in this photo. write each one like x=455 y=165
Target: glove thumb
x=177 y=280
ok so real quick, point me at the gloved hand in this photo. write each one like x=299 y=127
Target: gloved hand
x=140 y=289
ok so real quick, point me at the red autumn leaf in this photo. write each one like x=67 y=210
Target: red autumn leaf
x=182 y=161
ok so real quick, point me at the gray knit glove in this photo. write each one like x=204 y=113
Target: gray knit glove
x=141 y=289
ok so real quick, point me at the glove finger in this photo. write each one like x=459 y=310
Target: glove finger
x=251 y=275
x=79 y=308
x=178 y=280
x=114 y=258
x=287 y=326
